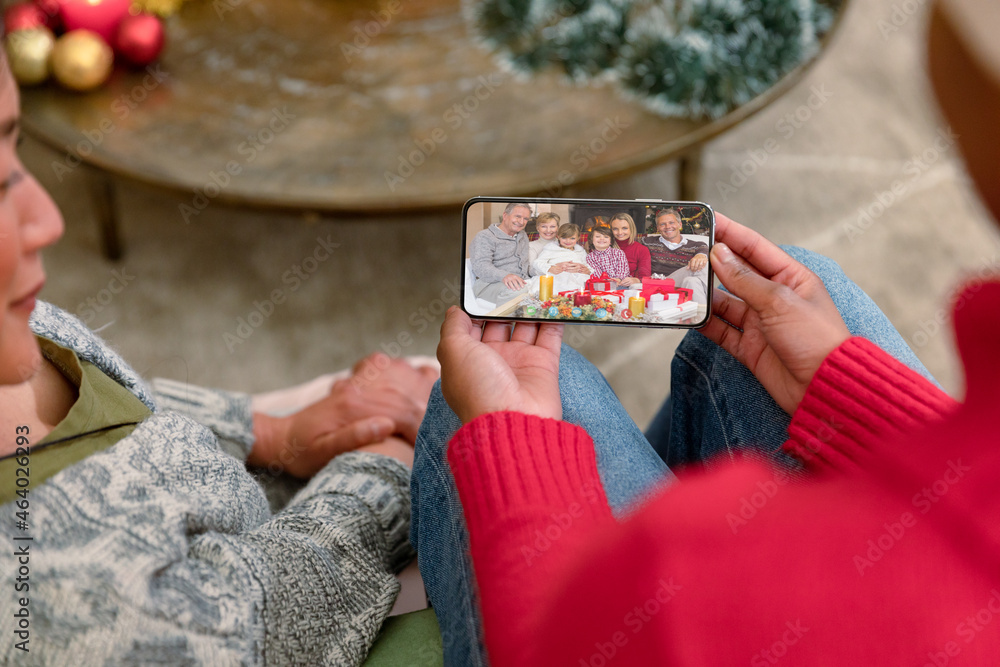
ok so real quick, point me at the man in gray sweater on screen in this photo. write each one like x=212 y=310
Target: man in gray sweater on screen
x=500 y=256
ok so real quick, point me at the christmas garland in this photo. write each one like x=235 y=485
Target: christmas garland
x=687 y=58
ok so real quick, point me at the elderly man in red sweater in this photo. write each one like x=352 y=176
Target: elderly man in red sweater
x=884 y=549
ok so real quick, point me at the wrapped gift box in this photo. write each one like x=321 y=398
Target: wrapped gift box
x=601 y=283
x=666 y=287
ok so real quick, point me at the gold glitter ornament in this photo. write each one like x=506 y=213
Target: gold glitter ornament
x=81 y=60
x=28 y=53
x=161 y=8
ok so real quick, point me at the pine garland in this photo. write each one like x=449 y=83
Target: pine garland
x=687 y=58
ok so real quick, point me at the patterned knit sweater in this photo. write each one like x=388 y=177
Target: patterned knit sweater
x=665 y=261
x=162 y=549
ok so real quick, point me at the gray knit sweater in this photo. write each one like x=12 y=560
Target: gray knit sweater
x=162 y=549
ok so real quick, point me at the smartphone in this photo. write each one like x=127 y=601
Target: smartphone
x=584 y=261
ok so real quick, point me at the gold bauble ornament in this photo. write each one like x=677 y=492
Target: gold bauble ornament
x=81 y=60
x=28 y=54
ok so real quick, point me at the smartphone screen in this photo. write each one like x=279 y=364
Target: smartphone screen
x=621 y=262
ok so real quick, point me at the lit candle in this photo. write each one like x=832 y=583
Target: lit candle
x=637 y=305
x=100 y=16
x=545 y=288
x=581 y=299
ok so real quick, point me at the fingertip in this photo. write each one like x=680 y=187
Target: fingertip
x=375 y=429
x=721 y=253
x=455 y=319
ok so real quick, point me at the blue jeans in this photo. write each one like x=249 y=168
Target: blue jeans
x=715 y=407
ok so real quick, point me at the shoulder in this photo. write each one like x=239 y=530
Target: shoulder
x=651 y=241
x=55 y=324
x=482 y=241
x=693 y=244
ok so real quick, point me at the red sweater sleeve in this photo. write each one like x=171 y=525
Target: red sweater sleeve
x=529 y=489
x=645 y=267
x=861 y=397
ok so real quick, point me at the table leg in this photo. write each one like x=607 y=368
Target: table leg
x=103 y=192
x=689 y=174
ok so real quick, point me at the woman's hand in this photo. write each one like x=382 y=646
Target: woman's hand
x=381 y=398
x=628 y=280
x=499 y=367
x=788 y=320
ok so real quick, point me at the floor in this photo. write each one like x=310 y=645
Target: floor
x=863 y=171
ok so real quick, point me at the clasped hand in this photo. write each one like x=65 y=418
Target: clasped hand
x=777 y=319
x=383 y=397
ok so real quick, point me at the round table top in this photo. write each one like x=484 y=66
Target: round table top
x=352 y=105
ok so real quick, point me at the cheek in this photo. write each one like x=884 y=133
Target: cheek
x=9 y=251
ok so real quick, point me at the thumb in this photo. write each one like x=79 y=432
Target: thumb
x=741 y=279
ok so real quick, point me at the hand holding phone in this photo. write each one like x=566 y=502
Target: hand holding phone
x=779 y=320
x=496 y=367
x=623 y=262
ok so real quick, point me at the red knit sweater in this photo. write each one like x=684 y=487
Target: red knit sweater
x=888 y=555
x=638 y=258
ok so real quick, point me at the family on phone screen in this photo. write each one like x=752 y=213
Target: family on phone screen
x=507 y=264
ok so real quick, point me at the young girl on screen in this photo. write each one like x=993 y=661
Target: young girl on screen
x=604 y=254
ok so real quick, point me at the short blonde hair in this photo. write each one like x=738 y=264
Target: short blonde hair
x=545 y=217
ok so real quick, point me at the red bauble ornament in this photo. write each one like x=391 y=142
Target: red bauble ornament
x=22 y=16
x=50 y=8
x=139 y=39
x=99 y=16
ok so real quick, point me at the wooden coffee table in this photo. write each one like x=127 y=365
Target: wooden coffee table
x=349 y=106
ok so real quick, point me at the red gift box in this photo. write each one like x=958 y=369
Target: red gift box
x=666 y=287
x=602 y=283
